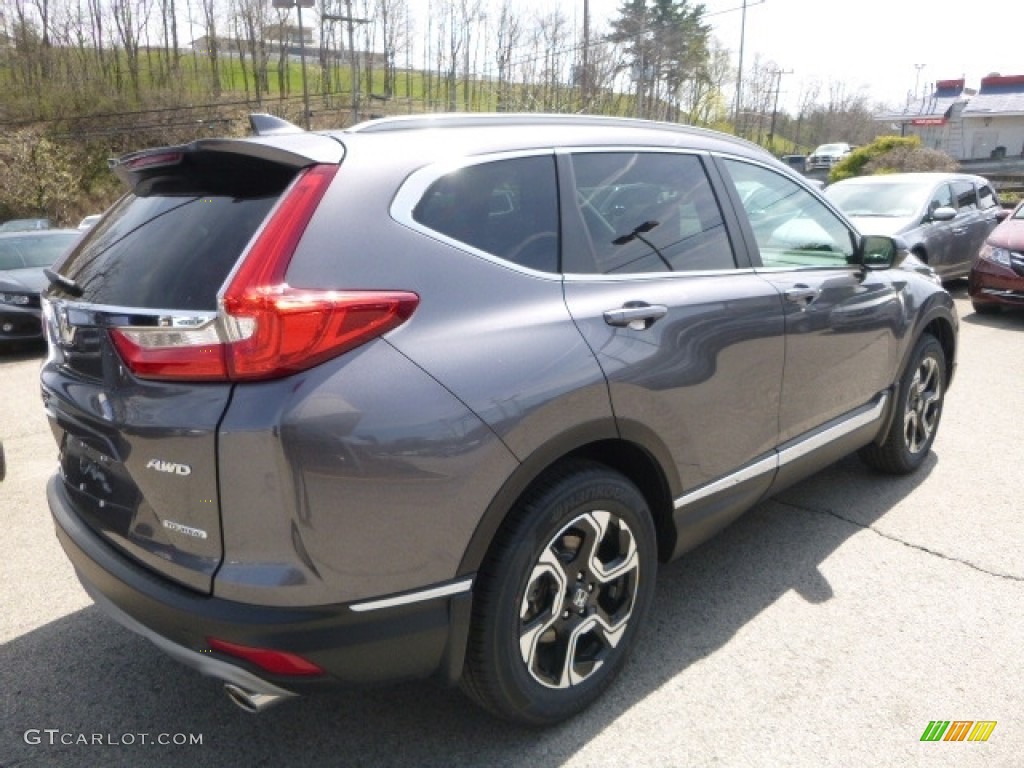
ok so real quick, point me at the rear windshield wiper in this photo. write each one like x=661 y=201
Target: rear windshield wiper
x=66 y=283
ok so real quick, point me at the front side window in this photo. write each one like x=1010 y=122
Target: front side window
x=648 y=212
x=791 y=226
x=966 y=196
x=942 y=197
x=507 y=208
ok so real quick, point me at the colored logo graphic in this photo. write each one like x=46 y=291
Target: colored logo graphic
x=958 y=730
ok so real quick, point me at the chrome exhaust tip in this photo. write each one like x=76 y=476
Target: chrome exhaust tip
x=250 y=701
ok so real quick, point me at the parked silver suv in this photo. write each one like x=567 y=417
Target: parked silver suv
x=435 y=396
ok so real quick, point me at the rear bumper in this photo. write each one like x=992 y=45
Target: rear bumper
x=401 y=637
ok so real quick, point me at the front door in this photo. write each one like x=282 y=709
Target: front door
x=840 y=320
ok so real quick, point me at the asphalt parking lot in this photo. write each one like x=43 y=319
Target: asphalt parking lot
x=828 y=627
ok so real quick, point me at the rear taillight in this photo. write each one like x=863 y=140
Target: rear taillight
x=266 y=328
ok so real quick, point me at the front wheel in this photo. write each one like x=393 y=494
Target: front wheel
x=918 y=406
x=560 y=598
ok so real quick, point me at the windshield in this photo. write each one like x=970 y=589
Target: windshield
x=888 y=200
x=830 y=149
x=33 y=251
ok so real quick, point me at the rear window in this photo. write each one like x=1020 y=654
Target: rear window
x=173 y=244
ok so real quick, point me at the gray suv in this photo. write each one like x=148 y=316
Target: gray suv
x=435 y=396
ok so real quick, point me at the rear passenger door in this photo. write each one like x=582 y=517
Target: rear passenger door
x=690 y=339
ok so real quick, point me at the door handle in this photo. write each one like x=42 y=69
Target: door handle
x=635 y=315
x=959 y=230
x=802 y=294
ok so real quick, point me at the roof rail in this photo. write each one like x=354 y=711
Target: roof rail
x=475 y=119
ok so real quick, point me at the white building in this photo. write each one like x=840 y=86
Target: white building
x=967 y=124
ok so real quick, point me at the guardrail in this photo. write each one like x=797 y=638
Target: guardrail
x=1006 y=174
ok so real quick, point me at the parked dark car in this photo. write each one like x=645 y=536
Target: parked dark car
x=942 y=217
x=796 y=162
x=23 y=256
x=435 y=396
x=997 y=276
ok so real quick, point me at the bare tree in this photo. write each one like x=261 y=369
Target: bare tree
x=130 y=20
x=393 y=16
x=508 y=37
x=210 y=10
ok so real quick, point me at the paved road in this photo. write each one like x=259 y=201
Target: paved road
x=827 y=627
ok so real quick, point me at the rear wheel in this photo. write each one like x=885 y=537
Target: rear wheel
x=918 y=406
x=560 y=598
x=983 y=308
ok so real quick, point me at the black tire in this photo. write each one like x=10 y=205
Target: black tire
x=918 y=405
x=986 y=309
x=559 y=599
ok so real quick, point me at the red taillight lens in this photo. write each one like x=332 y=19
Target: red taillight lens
x=275 y=662
x=296 y=329
x=267 y=328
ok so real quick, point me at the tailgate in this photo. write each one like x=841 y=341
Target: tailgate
x=138 y=458
x=138 y=449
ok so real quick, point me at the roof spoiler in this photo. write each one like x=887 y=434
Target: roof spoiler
x=270 y=125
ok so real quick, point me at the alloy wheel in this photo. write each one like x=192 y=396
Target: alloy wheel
x=924 y=402
x=578 y=599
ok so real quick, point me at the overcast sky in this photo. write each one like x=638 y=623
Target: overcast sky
x=872 y=44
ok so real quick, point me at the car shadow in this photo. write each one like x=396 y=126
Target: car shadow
x=1005 y=319
x=17 y=351
x=84 y=674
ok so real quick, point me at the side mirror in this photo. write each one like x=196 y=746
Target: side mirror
x=1002 y=214
x=880 y=252
x=944 y=213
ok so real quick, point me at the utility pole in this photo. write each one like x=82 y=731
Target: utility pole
x=917 y=78
x=739 y=71
x=585 y=74
x=353 y=59
x=299 y=4
x=775 y=109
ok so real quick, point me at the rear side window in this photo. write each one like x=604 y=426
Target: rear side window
x=987 y=197
x=649 y=212
x=173 y=245
x=508 y=208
